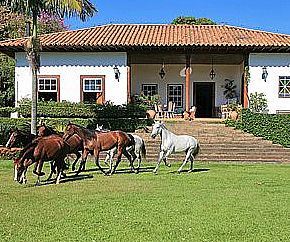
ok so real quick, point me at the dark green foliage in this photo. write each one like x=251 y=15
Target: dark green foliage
x=58 y=114
x=274 y=127
x=6 y=81
x=6 y=124
x=192 y=20
x=80 y=110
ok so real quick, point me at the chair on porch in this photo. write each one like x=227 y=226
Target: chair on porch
x=159 y=111
x=170 y=110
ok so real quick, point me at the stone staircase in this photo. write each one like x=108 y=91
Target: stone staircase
x=219 y=143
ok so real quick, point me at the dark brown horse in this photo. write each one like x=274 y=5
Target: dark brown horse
x=51 y=148
x=101 y=141
x=75 y=142
x=19 y=137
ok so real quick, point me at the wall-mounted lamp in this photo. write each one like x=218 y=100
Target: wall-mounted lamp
x=212 y=73
x=162 y=72
x=264 y=73
x=116 y=72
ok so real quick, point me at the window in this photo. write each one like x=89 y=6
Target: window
x=48 y=88
x=284 y=86
x=175 y=94
x=149 y=89
x=93 y=89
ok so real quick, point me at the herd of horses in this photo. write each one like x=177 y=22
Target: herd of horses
x=50 y=145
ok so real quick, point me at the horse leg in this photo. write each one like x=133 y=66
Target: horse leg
x=161 y=157
x=165 y=162
x=120 y=151
x=97 y=162
x=129 y=157
x=38 y=168
x=59 y=167
x=84 y=157
x=191 y=163
x=52 y=170
x=187 y=157
x=73 y=167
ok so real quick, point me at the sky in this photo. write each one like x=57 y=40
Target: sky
x=266 y=15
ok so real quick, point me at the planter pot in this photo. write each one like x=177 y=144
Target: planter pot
x=150 y=114
x=233 y=115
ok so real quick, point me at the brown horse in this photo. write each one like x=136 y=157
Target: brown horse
x=75 y=142
x=38 y=151
x=101 y=141
x=19 y=137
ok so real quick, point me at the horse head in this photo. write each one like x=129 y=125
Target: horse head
x=19 y=171
x=69 y=131
x=157 y=128
x=14 y=137
x=44 y=130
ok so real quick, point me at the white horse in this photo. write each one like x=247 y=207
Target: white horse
x=171 y=143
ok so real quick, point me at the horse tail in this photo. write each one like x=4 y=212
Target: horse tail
x=196 y=151
x=143 y=149
x=132 y=141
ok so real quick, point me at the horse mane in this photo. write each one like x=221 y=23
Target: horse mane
x=87 y=132
x=28 y=148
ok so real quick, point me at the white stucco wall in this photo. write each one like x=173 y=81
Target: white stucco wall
x=148 y=74
x=70 y=66
x=277 y=65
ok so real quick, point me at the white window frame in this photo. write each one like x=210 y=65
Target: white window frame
x=96 y=85
x=182 y=95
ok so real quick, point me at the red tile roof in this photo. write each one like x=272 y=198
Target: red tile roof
x=128 y=36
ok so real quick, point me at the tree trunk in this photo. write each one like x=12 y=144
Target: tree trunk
x=34 y=70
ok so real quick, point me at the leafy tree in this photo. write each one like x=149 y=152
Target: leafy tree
x=192 y=21
x=32 y=9
x=6 y=81
x=13 y=26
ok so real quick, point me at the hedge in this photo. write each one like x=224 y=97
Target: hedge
x=274 y=127
x=125 y=124
x=77 y=110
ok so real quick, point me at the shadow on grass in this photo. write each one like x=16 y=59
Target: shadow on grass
x=120 y=171
x=194 y=171
x=67 y=179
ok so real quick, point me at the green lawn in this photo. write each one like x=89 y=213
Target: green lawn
x=219 y=202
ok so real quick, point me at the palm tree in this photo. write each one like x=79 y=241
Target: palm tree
x=32 y=9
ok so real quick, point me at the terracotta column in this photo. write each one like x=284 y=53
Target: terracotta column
x=245 y=97
x=129 y=84
x=187 y=84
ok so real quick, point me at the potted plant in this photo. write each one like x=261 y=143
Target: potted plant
x=148 y=102
x=230 y=90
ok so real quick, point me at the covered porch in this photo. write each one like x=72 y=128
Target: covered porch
x=190 y=78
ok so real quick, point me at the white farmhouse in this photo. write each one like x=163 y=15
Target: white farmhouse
x=186 y=64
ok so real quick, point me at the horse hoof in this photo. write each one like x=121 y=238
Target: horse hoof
x=178 y=171
x=190 y=171
x=73 y=168
x=39 y=173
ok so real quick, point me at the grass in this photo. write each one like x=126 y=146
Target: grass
x=219 y=202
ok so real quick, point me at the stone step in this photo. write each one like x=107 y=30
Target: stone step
x=220 y=143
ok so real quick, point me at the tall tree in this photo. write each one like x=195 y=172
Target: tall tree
x=32 y=9
x=192 y=20
x=12 y=26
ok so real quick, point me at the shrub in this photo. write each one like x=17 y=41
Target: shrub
x=274 y=127
x=258 y=103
